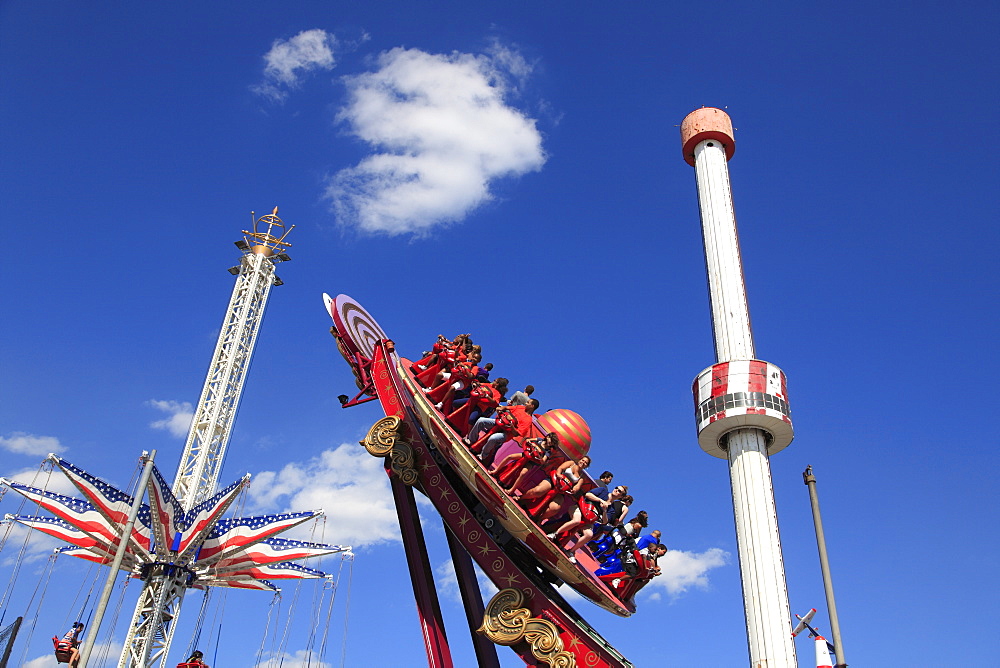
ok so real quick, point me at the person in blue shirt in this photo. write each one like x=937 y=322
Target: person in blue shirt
x=602 y=491
x=649 y=539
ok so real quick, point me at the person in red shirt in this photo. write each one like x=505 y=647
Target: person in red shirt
x=517 y=425
x=485 y=397
x=546 y=499
x=516 y=466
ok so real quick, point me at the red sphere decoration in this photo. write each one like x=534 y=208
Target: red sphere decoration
x=574 y=433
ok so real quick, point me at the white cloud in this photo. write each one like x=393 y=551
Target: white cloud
x=38 y=549
x=113 y=649
x=288 y=60
x=680 y=570
x=447 y=582
x=511 y=61
x=39 y=545
x=299 y=659
x=53 y=481
x=441 y=130
x=23 y=443
x=180 y=415
x=347 y=482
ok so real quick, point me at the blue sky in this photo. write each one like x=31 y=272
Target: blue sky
x=541 y=203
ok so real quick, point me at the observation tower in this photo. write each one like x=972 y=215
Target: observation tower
x=741 y=404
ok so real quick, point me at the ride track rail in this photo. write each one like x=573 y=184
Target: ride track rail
x=528 y=614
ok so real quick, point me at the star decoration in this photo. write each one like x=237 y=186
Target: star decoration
x=235 y=552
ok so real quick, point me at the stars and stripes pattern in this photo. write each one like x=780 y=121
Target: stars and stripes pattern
x=81 y=553
x=289 y=571
x=234 y=552
x=249 y=583
x=272 y=551
x=110 y=501
x=167 y=511
x=64 y=531
x=229 y=537
x=78 y=513
x=201 y=519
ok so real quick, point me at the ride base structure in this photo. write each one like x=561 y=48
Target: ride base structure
x=423 y=450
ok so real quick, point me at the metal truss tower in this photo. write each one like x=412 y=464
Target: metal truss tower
x=156 y=612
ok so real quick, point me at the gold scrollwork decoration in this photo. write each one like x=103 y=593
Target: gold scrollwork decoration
x=387 y=438
x=402 y=463
x=383 y=435
x=507 y=623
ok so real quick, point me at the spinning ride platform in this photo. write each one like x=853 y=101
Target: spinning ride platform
x=424 y=452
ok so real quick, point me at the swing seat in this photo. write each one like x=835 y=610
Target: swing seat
x=63 y=650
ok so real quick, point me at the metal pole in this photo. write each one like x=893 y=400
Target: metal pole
x=472 y=599
x=109 y=585
x=10 y=642
x=831 y=605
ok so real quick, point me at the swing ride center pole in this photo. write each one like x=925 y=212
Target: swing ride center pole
x=824 y=563
x=740 y=402
x=109 y=585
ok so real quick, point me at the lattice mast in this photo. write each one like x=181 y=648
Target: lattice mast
x=213 y=420
x=151 y=631
x=741 y=405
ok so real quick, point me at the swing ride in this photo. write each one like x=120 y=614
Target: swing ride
x=182 y=539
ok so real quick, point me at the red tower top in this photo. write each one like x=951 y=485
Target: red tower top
x=706 y=123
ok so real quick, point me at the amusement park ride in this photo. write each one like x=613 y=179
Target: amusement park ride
x=182 y=540
x=742 y=414
x=424 y=449
x=429 y=445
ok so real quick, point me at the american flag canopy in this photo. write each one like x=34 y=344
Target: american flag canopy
x=200 y=520
x=64 y=531
x=88 y=555
x=231 y=536
x=110 y=501
x=233 y=552
x=274 y=572
x=167 y=511
x=272 y=551
x=76 y=512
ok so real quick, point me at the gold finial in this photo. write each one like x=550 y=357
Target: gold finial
x=267 y=243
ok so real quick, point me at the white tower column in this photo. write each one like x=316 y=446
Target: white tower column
x=740 y=402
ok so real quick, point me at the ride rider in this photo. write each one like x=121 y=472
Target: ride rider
x=67 y=650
